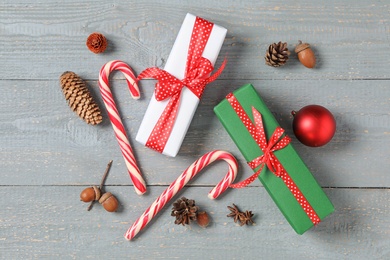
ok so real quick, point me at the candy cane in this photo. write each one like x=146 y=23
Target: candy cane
x=113 y=114
x=181 y=181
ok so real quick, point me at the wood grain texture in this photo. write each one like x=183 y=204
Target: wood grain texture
x=48 y=155
x=45 y=143
x=349 y=40
x=50 y=222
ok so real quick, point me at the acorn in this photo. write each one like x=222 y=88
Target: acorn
x=305 y=55
x=203 y=219
x=89 y=194
x=109 y=202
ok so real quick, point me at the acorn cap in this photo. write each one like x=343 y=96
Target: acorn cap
x=104 y=197
x=301 y=46
x=97 y=192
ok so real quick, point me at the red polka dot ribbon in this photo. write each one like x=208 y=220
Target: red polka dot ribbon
x=197 y=76
x=276 y=142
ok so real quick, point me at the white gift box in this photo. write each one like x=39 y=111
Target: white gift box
x=175 y=65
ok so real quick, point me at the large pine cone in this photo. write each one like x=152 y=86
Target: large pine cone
x=79 y=99
x=184 y=210
x=277 y=54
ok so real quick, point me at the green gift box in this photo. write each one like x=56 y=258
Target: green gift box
x=297 y=213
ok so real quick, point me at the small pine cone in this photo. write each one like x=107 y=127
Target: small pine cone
x=277 y=54
x=79 y=99
x=96 y=42
x=184 y=210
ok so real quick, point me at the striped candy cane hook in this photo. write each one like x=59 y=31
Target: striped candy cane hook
x=113 y=114
x=181 y=181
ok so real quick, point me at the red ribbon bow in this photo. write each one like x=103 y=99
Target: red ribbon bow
x=197 y=76
x=276 y=142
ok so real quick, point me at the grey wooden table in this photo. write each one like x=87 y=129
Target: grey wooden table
x=48 y=155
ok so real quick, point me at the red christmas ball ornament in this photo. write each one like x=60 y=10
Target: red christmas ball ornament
x=314 y=125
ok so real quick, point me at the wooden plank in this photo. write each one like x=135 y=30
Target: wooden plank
x=48 y=155
x=41 y=40
x=43 y=142
x=49 y=222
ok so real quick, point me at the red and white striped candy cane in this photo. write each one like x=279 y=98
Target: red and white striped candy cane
x=181 y=181
x=113 y=114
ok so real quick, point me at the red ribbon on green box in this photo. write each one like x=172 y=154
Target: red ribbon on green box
x=286 y=178
x=276 y=142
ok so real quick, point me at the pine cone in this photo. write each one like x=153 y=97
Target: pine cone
x=79 y=98
x=184 y=210
x=277 y=54
x=96 y=42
